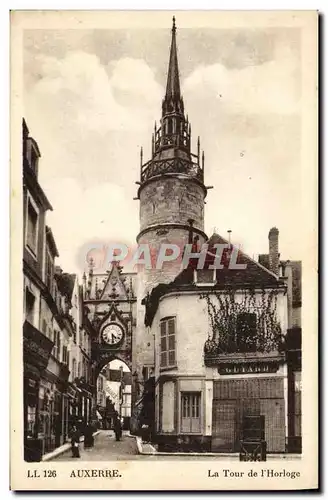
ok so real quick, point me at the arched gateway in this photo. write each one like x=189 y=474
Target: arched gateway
x=109 y=305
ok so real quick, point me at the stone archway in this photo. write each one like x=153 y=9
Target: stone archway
x=113 y=388
x=107 y=358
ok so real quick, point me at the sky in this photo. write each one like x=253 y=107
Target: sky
x=91 y=98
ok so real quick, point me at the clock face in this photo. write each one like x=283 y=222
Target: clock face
x=112 y=334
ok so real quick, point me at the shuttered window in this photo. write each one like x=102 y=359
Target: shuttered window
x=167 y=347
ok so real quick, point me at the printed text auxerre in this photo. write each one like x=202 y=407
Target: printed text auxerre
x=95 y=473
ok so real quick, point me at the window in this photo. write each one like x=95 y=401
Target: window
x=56 y=349
x=246 y=332
x=79 y=369
x=298 y=403
x=32 y=155
x=74 y=369
x=190 y=412
x=169 y=126
x=34 y=160
x=49 y=271
x=31 y=420
x=65 y=355
x=29 y=306
x=32 y=227
x=51 y=334
x=167 y=348
x=147 y=372
x=204 y=277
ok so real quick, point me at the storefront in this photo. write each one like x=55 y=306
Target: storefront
x=36 y=353
x=235 y=400
x=52 y=396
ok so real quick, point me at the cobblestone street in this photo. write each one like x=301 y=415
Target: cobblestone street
x=105 y=448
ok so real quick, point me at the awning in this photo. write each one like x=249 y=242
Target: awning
x=98 y=415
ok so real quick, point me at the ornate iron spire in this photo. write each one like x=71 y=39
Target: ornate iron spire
x=171 y=145
x=173 y=79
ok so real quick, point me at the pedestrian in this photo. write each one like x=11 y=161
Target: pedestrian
x=88 y=436
x=117 y=428
x=75 y=442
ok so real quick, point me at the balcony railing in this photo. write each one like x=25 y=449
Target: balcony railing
x=230 y=350
x=171 y=165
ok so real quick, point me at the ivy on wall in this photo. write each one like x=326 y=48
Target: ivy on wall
x=230 y=334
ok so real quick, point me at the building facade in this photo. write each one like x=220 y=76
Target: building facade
x=59 y=379
x=291 y=273
x=45 y=335
x=221 y=347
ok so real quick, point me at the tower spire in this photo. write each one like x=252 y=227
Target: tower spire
x=173 y=79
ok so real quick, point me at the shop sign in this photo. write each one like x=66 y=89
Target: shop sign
x=243 y=368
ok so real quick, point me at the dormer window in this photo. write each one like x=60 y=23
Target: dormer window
x=33 y=155
x=205 y=277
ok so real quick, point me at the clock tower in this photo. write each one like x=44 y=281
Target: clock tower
x=171 y=194
x=109 y=304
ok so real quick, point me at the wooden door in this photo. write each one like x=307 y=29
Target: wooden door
x=223 y=425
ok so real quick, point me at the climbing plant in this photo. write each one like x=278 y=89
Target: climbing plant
x=231 y=334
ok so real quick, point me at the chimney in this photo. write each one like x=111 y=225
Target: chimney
x=274 y=250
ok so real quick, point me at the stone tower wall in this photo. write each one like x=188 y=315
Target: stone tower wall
x=166 y=204
x=171 y=199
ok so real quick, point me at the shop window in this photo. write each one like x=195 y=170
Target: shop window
x=246 y=332
x=31 y=420
x=190 y=412
x=167 y=346
x=29 y=306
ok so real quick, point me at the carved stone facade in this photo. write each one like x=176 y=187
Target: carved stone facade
x=109 y=303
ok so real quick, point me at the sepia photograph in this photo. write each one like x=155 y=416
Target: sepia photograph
x=166 y=247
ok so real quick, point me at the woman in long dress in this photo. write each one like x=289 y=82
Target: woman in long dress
x=88 y=436
x=75 y=442
x=117 y=428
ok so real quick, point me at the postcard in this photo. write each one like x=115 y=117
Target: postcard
x=164 y=179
